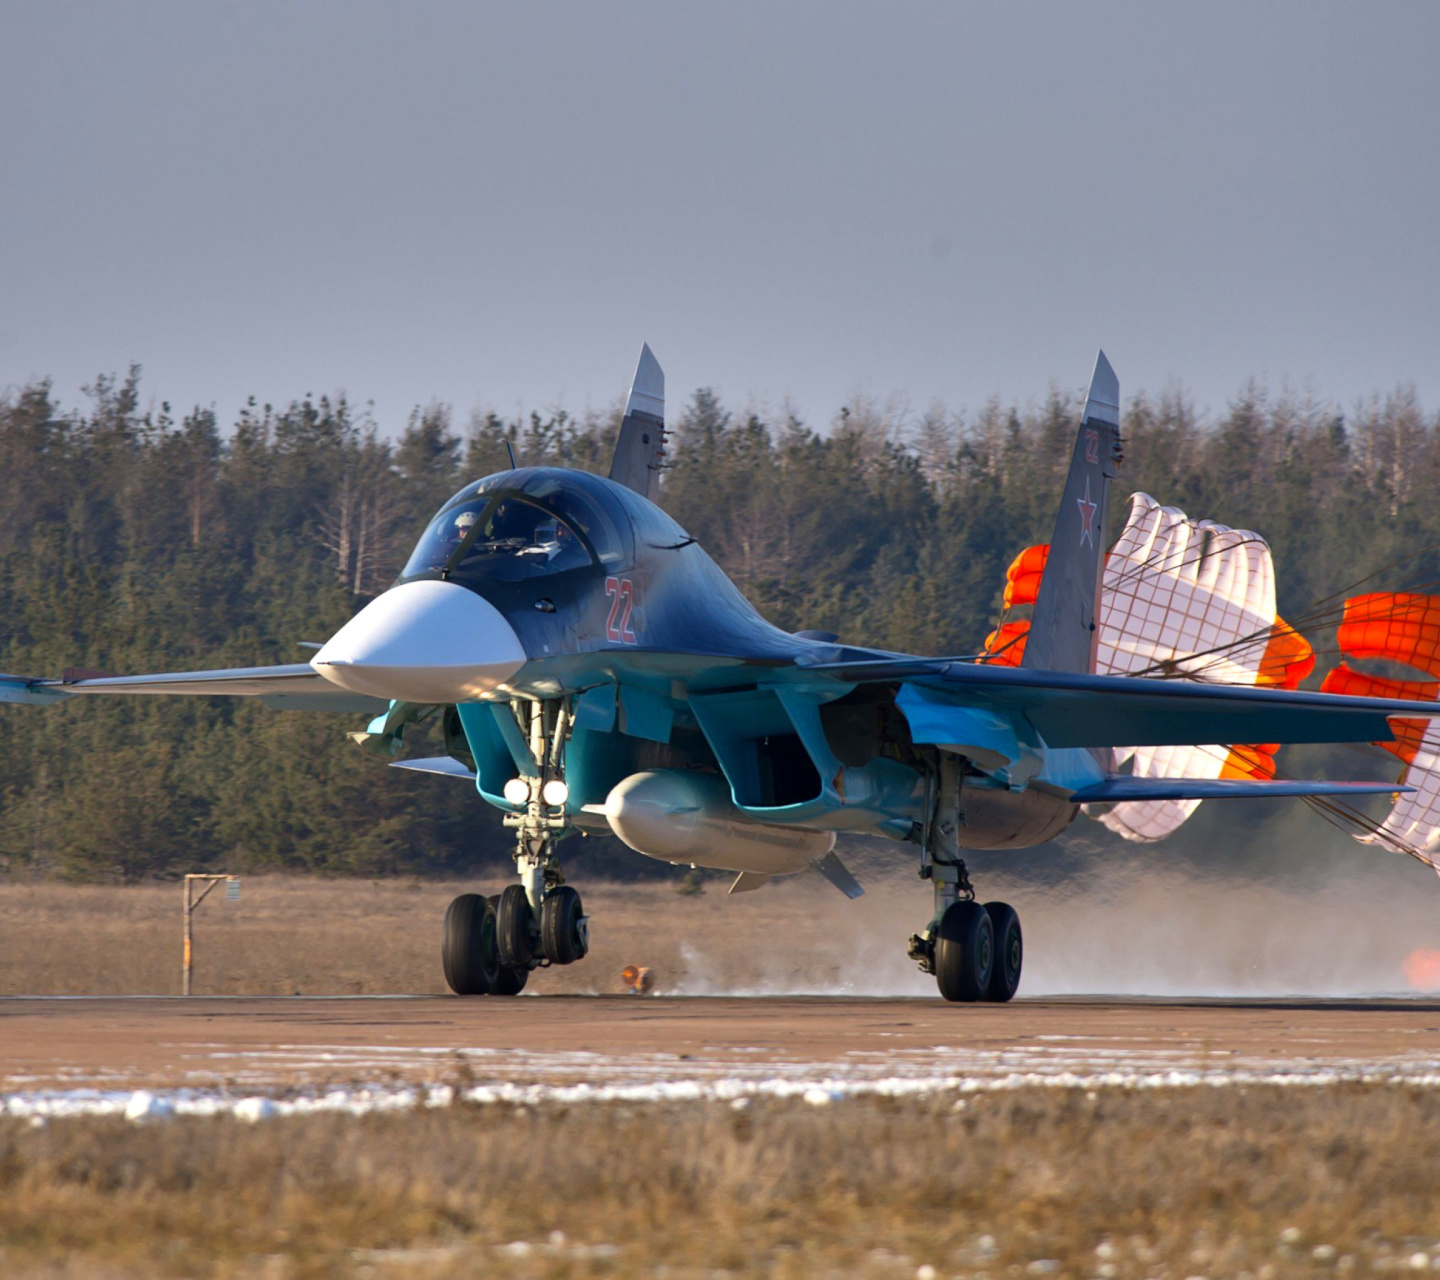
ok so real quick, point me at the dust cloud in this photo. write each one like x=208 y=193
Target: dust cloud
x=1141 y=925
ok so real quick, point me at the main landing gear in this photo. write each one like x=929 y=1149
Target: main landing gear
x=492 y=944
x=974 y=951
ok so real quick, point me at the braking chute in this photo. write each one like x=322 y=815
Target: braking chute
x=1180 y=599
x=1399 y=627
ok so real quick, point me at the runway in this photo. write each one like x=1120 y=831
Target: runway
x=68 y=1055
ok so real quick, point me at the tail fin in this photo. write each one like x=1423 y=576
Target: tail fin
x=1064 y=627
x=640 y=450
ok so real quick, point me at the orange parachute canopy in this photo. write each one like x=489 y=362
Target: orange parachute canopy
x=1356 y=684
x=1288 y=658
x=1022 y=578
x=1397 y=625
x=1006 y=644
x=1403 y=627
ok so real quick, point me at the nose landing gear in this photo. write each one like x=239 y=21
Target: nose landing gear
x=491 y=945
x=974 y=951
x=470 y=953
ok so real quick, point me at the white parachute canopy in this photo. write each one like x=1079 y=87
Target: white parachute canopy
x=1187 y=599
x=1413 y=823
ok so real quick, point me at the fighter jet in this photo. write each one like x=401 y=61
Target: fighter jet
x=595 y=671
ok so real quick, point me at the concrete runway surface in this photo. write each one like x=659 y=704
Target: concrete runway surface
x=91 y=1053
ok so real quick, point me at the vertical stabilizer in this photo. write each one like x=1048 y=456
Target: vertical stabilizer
x=640 y=450
x=1064 y=627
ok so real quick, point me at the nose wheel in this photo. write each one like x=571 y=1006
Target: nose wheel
x=561 y=935
x=470 y=952
x=492 y=944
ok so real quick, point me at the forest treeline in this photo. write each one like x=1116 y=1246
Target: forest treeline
x=134 y=539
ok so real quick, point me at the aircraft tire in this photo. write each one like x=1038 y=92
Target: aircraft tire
x=1009 y=952
x=964 y=952
x=560 y=936
x=468 y=947
x=508 y=981
x=513 y=928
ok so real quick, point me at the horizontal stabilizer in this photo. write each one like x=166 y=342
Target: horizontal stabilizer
x=836 y=872
x=446 y=766
x=1115 y=789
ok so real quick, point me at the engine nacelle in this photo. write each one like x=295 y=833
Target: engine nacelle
x=689 y=818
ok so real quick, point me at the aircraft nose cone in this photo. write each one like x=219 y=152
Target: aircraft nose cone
x=428 y=641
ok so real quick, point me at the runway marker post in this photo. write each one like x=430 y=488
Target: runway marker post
x=232 y=894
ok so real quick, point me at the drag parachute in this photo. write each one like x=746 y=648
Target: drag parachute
x=1180 y=599
x=1399 y=627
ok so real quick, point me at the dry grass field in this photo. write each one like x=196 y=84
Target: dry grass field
x=1261 y=1182
x=291 y=936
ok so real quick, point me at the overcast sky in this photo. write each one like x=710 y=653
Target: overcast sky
x=496 y=204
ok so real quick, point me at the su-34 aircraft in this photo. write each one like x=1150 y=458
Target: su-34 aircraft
x=596 y=671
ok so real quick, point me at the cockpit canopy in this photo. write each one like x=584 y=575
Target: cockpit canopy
x=521 y=524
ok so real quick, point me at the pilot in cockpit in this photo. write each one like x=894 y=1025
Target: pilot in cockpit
x=460 y=528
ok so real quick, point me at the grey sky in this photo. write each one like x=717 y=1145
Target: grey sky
x=497 y=203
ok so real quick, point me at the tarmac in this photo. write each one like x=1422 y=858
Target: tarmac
x=69 y=1045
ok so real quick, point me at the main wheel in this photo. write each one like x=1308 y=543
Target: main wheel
x=1009 y=952
x=964 y=952
x=468 y=950
x=561 y=938
x=513 y=928
x=509 y=980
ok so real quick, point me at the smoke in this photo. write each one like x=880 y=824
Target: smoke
x=1137 y=925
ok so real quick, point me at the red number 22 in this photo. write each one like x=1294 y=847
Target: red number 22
x=622 y=603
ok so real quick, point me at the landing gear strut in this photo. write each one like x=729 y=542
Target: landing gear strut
x=491 y=948
x=974 y=951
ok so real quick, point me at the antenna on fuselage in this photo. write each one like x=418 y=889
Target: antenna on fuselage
x=510 y=449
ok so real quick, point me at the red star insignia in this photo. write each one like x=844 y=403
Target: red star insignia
x=1087 y=515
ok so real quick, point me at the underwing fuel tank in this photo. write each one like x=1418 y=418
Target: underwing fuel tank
x=689 y=818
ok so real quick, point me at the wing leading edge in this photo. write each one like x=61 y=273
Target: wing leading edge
x=291 y=686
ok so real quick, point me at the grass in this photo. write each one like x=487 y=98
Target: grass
x=293 y=936
x=1211 y=1182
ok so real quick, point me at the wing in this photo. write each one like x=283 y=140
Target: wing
x=290 y=687
x=1076 y=710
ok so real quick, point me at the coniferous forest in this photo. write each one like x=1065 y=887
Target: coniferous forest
x=134 y=538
